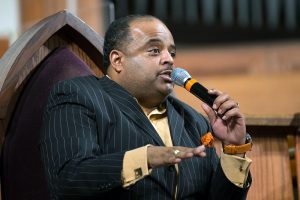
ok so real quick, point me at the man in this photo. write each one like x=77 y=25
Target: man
x=124 y=136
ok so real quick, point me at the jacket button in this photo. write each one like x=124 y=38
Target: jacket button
x=171 y=168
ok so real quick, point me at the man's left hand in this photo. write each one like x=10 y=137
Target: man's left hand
x=227 y=122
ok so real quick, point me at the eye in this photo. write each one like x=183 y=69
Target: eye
x=173 y=54
x=154 y=51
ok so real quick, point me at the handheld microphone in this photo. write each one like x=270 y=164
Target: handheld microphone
x=182 y=78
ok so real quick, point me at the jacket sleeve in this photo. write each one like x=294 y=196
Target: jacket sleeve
x=222 y=188
x=72 y=156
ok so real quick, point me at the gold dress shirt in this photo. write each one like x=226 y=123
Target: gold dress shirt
x=135 y=164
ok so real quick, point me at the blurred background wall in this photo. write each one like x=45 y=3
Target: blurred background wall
x=247 y=48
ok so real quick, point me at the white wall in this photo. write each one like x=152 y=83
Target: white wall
x=9 y=19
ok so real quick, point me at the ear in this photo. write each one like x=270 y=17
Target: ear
x=116 y=60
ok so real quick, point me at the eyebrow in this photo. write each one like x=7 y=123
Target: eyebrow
x=156 y=40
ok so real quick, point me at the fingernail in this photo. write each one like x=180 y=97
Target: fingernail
x=224 y=117
x=214 y=106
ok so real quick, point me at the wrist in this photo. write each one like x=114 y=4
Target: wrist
x=148 y=146
x=242 y=141
x=239 y=150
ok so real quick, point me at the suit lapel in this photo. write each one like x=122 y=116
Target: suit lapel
x=129 y=107
x=176 y=123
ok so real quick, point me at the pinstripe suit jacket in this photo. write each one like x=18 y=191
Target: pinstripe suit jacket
x=89 y=124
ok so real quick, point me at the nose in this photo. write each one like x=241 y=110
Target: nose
x=167 y=58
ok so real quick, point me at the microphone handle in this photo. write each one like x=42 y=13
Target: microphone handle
x=202 y=93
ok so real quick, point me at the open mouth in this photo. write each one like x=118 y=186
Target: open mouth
x=166 y=75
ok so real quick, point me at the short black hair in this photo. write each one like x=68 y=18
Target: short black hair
x=118 y=34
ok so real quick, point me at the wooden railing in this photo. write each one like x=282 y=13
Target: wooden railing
x=271 y=168
x=272 y=162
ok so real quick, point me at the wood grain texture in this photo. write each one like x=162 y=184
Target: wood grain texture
x=93 y=13
x=31 y=11
x=271 y=172
x=271 y=166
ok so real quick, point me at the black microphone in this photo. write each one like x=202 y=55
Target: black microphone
x=182 y=78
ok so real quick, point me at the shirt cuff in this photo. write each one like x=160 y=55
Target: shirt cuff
x=135 y=166
x=235 y=168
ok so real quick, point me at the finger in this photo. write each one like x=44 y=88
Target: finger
x=226 y=106
x=232 y=113
x=200 y=151
x=220 y=100
x=173 y=156
x=209 y=112
x=183 y=152
x=161 y=156
x=215 y=92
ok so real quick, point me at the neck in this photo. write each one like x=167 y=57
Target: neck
x=149 y=105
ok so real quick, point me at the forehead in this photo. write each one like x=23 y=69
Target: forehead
x=146 y=29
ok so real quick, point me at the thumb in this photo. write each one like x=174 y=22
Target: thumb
x=210 y=113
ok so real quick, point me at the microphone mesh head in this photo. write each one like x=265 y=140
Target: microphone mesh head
x=180 y=76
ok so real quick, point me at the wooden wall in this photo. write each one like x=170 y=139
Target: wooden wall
x=89 y=11
x=263 y=78
x=92 y=14
x=32 y=11
x=4 y=43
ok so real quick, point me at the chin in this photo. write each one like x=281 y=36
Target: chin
x=167 y=91
x=170 y=88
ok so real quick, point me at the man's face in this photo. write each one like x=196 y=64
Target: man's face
x=149 y=59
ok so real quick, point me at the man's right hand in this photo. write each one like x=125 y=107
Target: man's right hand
x=158 y=156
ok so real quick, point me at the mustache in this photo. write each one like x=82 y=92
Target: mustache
x=166 y=71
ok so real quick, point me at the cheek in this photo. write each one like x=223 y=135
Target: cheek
x=135 y=73
x=145 y=67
